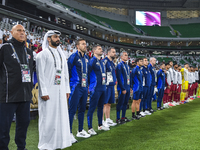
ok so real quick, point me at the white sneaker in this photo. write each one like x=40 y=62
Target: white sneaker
x=174 y=103
x=166 y=105
x=147 y=112
x=103 y=128
x=142 y=114
x=73 y=139
x=83 y=134
x=105 y=124
x=110 y=122
x=92 y=132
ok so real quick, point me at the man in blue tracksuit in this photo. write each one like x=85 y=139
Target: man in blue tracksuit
x=146 y=87
x=123 y=87
x=78 y=73
x=97 y=88
x=110 y=90
x=137 y=86
x=160 y=85
x=153 y=83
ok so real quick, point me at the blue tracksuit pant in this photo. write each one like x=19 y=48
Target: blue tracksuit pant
x=149 y=100
x=97 y=99
x=143 y=104
x=160 y=96
x=78 y=99
x=122 y=103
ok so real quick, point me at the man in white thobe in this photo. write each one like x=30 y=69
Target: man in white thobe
x=53 y=80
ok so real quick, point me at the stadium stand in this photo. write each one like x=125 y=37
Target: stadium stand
x=188 y=30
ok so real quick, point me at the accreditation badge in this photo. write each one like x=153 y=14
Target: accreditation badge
x=103 y=79
x=84 y=78
x=109 y=77
x=58 y=77
x=128 y=79
x=25 y=71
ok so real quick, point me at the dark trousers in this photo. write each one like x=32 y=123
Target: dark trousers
x=122 y=103
x=97 y=99
x=78 y=98
x=160 y=96
x=149 y=100
x=7 y=110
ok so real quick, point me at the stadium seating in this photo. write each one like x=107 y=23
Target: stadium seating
x=160 y=31
x=188 y=30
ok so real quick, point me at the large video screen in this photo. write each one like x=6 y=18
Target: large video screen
x=147 y=18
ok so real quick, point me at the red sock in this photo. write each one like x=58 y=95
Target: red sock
x=175 y=97
x=170 y=98
x=178 y=97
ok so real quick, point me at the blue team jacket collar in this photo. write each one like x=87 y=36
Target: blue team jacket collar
x=145 y=67
x=123 y=62
x=161 y=70
x=137 y=66
x=97 y=58
x=79 y=53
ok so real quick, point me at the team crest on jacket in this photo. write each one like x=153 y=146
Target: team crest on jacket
x=29 y=56
x=13 y=55
x=79 y=60
x=86 y=60
x=98 y=63
x=138 y=72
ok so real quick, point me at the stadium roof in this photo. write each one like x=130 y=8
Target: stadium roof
x=146 y=4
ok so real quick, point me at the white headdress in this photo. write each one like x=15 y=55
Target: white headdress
x=45 y=43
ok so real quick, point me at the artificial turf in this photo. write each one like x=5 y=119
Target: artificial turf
x=176 y=128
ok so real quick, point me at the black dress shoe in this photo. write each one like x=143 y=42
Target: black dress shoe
x=135 y=117
x=120 y=121
x=127 y=120
x=152 y=111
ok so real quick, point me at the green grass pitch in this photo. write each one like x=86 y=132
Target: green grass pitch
x=176 y=128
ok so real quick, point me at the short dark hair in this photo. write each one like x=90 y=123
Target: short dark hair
x=138 y=59
x=109 y=49
x=77 y=41
x=175 y=64
x=162 y=64
x=166 y=64
x=144 y=58
x=170 y=61
x=95 y=47
x=34 y=48
x=186 y=64
x=179 y=65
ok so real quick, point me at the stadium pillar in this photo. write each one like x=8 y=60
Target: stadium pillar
x=168 y=43
x=3 y=2
x=103 y=36
x=74 y=26
x=134 y=42
x=89 y=32
x=151 y=43
x=28 y=25
x=187 y=43
x=118 y=39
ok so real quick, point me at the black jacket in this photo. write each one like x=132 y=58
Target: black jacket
x=11 y=87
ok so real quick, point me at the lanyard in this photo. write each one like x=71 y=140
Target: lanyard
x=17 y=55
x=55 y=58
x=82 y=64
x=100 y=67
x=126 y=70
x=112 y=66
